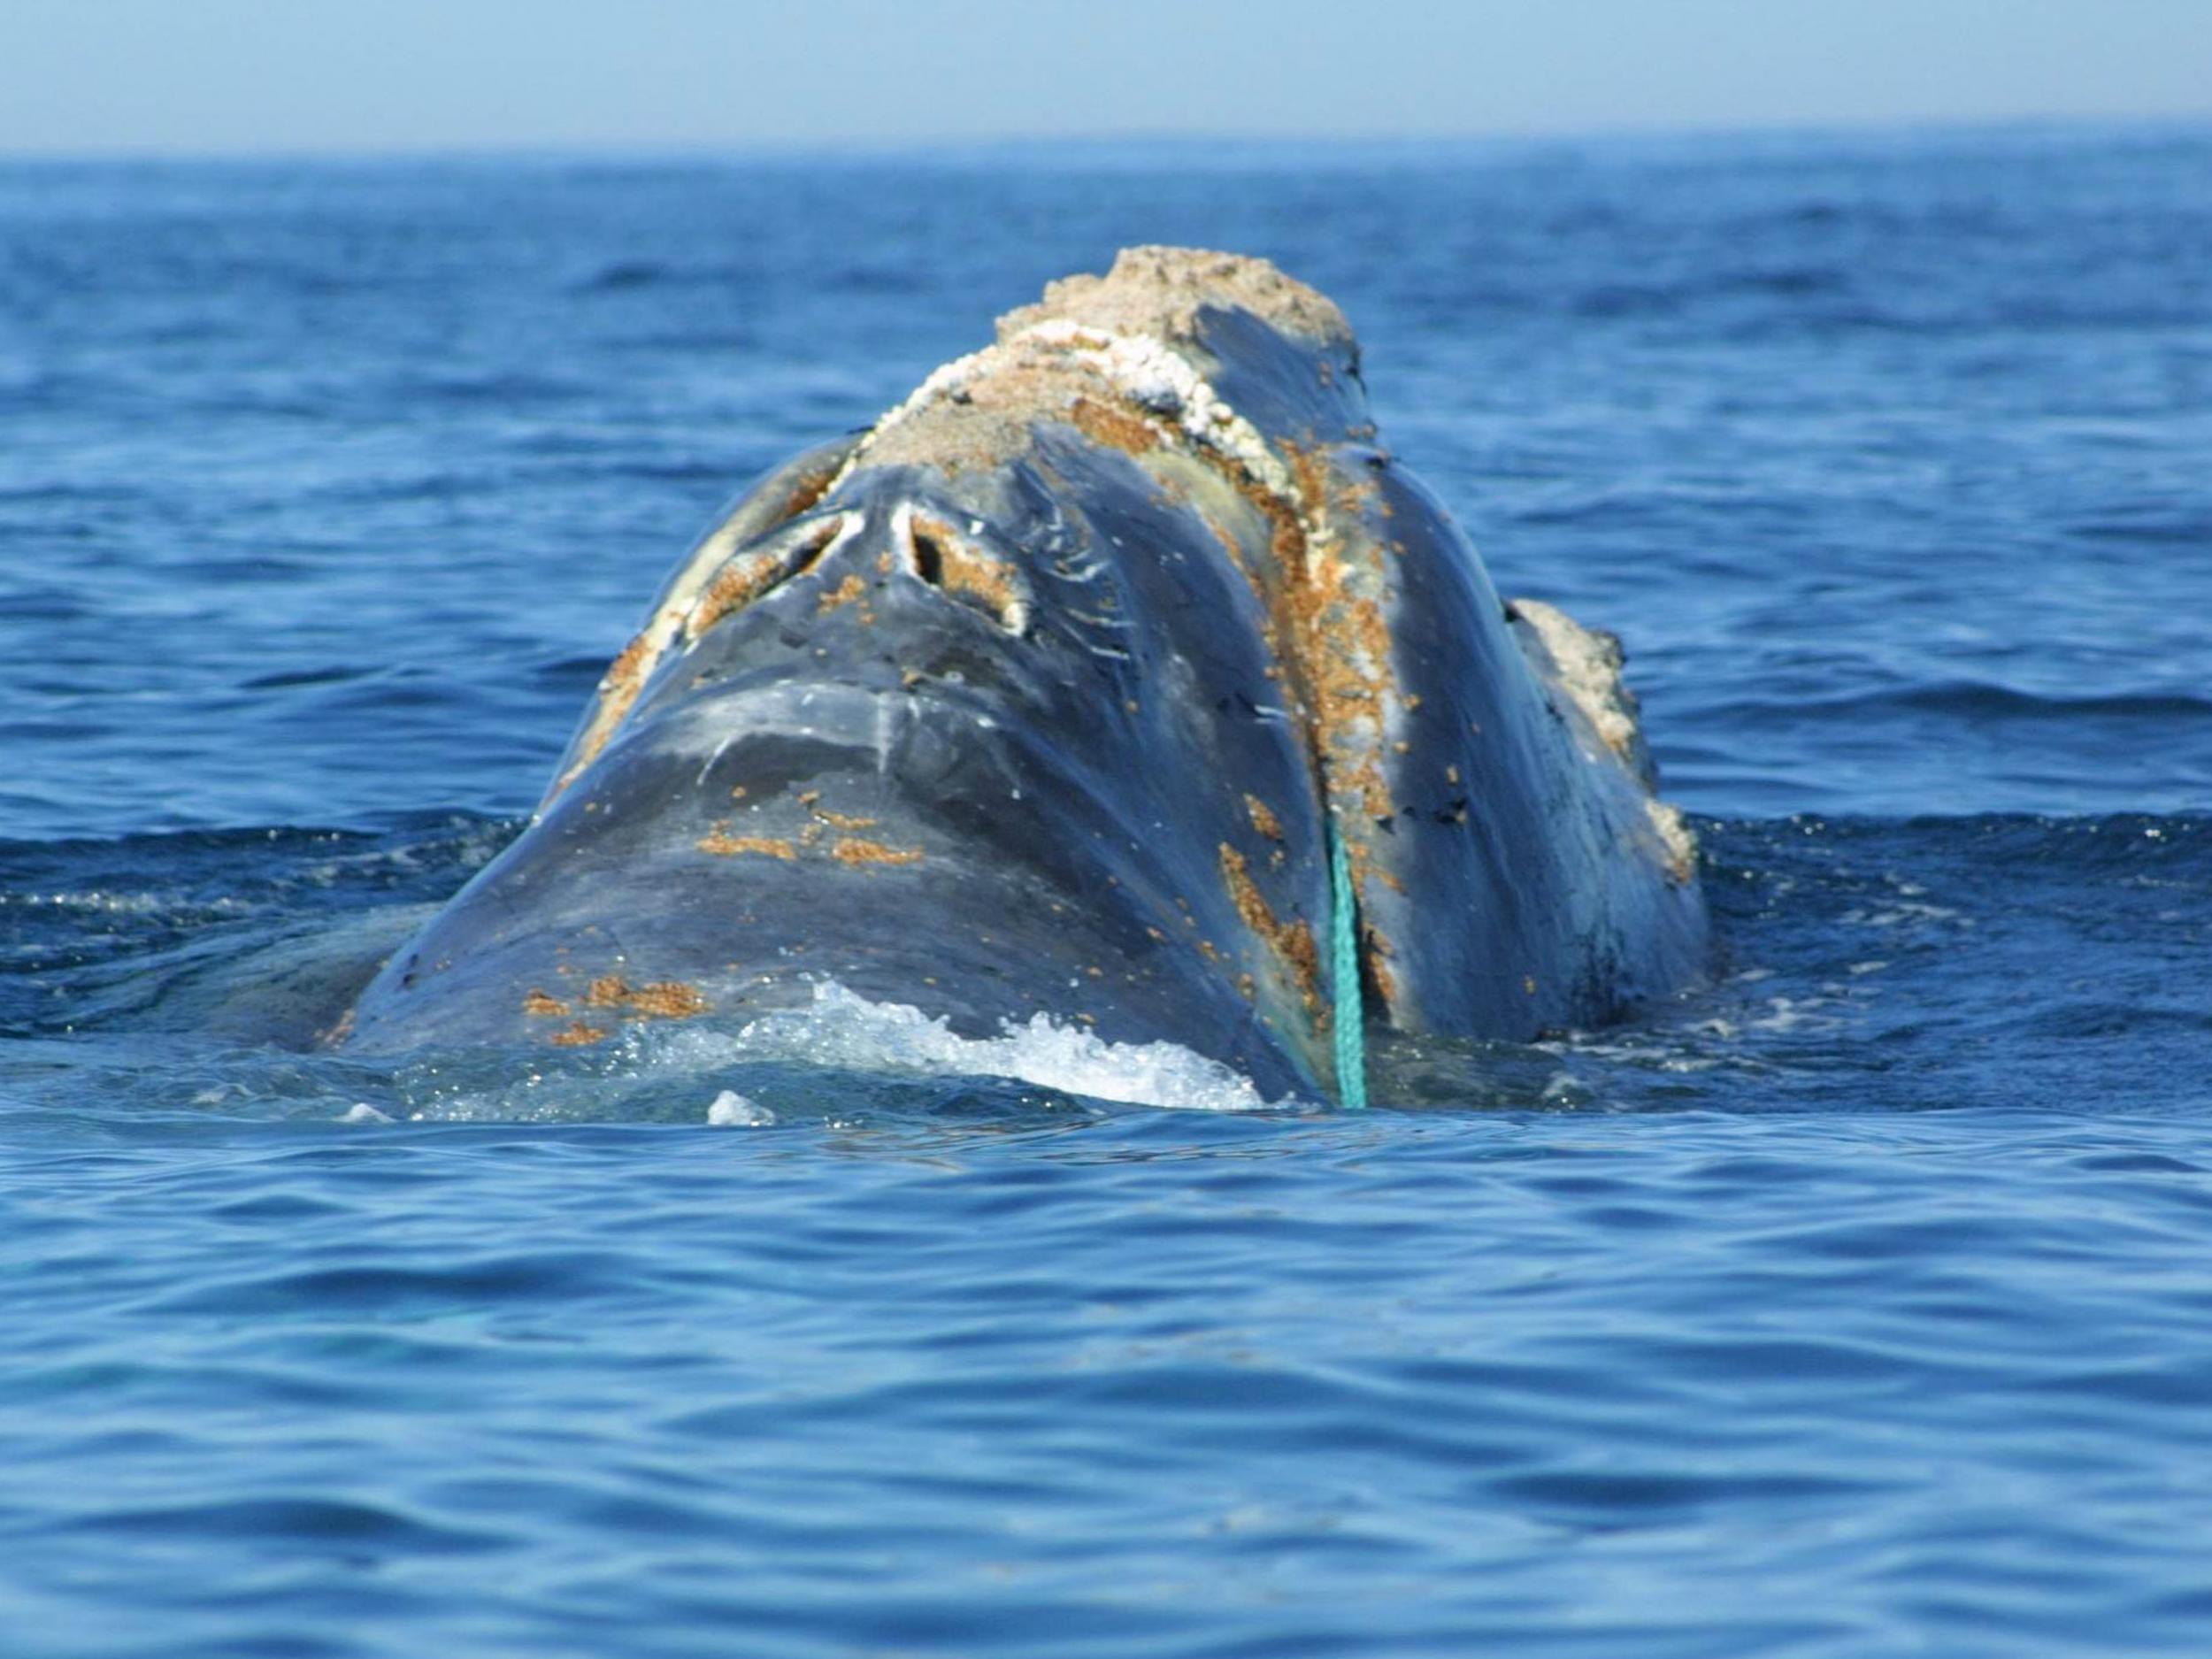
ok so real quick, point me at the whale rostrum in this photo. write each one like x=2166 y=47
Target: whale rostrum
x=1051 y=693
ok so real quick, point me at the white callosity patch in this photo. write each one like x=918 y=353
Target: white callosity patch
x=1144 y=369
x=1586 y=665
x=1579 y=668
x=1152 y=373
x=844 y=1030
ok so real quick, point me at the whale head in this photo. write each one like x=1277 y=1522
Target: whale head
x=1056 y=691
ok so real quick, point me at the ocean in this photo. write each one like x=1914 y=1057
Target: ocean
x=1856 y=1303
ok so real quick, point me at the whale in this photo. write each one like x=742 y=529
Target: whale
x=1119 y=678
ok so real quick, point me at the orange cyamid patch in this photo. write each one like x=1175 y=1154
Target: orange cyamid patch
x=663 y=999
x=1292 y=942
x=667 y=999
x=1116 y=429
x=836 y=598
x=720 y=841
x=852 y=850
x=733 y=587
x=610 y=990
x=619 y=689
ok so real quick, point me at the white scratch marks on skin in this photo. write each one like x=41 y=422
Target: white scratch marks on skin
x=1119 y=624
x=720 y=749
x=887 y=715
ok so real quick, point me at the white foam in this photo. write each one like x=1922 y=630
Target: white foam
x=841 y=1029
x=99 y=901
x=362 y=1112
x=731 y=1111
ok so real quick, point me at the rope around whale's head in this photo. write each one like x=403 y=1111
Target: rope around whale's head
x=1348 y=1021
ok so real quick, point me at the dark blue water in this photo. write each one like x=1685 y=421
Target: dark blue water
x=1860 y=1303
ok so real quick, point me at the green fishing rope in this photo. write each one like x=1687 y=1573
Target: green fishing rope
x=1351 y=1034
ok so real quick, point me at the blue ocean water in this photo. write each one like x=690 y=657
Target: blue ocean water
x=1855 y=1304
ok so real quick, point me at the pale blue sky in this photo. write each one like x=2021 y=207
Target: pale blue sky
x=168 y=76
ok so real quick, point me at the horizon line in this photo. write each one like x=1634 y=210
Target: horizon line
x=884 y=147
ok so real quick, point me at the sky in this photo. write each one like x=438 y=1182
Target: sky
x=182 y=77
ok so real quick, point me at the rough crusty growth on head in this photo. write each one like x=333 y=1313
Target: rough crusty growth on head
x=1116 y=429
x=1161 y=291
x=1339 y=639
x=981 y=410
x=1585 y=665
x=735 y=587
x=1580 y=668
x=988 y=420
x=619 y=689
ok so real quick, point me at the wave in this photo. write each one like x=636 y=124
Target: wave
x=684 y=1073
x=1976 y=699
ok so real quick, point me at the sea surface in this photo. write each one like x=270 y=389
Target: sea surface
x=1856 y=1303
